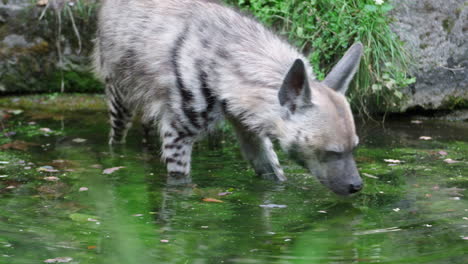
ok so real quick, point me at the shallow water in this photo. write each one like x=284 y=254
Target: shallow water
x=412 y=212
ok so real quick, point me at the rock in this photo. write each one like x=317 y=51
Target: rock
x=436 y=34
x=13 y=40
x=29 y=53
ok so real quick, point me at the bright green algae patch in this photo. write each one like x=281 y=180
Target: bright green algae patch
x=411 y=211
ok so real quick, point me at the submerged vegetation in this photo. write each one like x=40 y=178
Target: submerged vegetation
x=67 y=198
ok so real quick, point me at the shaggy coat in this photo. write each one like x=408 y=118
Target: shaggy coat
x=186 y=64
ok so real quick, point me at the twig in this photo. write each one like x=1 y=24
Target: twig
x=75 y=29
x=369 y=175
x=44 y=11
x=59 y=49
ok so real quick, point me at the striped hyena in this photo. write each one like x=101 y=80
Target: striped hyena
x=186 y=64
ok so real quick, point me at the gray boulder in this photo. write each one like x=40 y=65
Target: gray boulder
x=436 y=34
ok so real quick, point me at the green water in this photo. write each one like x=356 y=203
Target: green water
x=413 y=212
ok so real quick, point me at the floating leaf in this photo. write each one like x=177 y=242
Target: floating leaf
x=212 y=200
x=273 y=206
x=45 y=130
x=47 y=169
x=393 y=161
x=377 y=231
x=52 y=179
x=62 y=164
x=425 y=138
x=59 y=260
x=450 y=161
x=112 y=170
x=17 y=145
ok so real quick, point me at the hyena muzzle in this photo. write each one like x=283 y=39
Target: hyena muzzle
x=186 y=64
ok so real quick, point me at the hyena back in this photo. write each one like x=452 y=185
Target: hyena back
x=186 y=64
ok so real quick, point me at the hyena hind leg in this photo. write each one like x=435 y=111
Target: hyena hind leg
x=120 y=114
x=177 y=147
x=258 y=150
x=150 y=132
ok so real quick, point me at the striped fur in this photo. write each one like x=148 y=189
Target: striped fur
x=186 y=64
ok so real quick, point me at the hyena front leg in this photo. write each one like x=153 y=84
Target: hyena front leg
x=149 y=132
x=120 y=114
x=258 y=150
x=176 y=152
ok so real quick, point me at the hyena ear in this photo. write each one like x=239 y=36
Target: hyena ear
x=295 y=91
x=343 y=72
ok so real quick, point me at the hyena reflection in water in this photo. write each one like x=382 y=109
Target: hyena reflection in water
x=186 y=64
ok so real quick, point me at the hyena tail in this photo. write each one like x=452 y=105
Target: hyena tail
x=120 y=114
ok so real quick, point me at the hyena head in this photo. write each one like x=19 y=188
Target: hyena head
x=319 y=126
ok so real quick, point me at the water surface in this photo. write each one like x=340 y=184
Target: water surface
x=409 y=212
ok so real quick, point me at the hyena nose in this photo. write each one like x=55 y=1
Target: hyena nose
x=355 y=187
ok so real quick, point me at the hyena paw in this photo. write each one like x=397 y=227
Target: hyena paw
x=272 y=172
x=178 y=178
x=278 y=177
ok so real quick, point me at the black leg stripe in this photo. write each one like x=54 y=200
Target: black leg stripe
x=117 y=115
x=192 y=116
x=187 y=95
x=171 y=160
x=118 y=123
x=206 y=90
x=120 y=108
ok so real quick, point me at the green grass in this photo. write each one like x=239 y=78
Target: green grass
x=324 y=29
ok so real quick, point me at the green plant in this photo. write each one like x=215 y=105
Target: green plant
x=324 y=29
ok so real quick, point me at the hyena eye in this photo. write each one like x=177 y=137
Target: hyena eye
x=332 y=155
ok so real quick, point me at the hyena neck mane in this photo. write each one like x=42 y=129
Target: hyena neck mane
x=252 y=63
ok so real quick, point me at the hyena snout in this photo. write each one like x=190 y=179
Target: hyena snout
x=344 y=177
x=340 y=175
x=356 y=186
x=344 y=183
